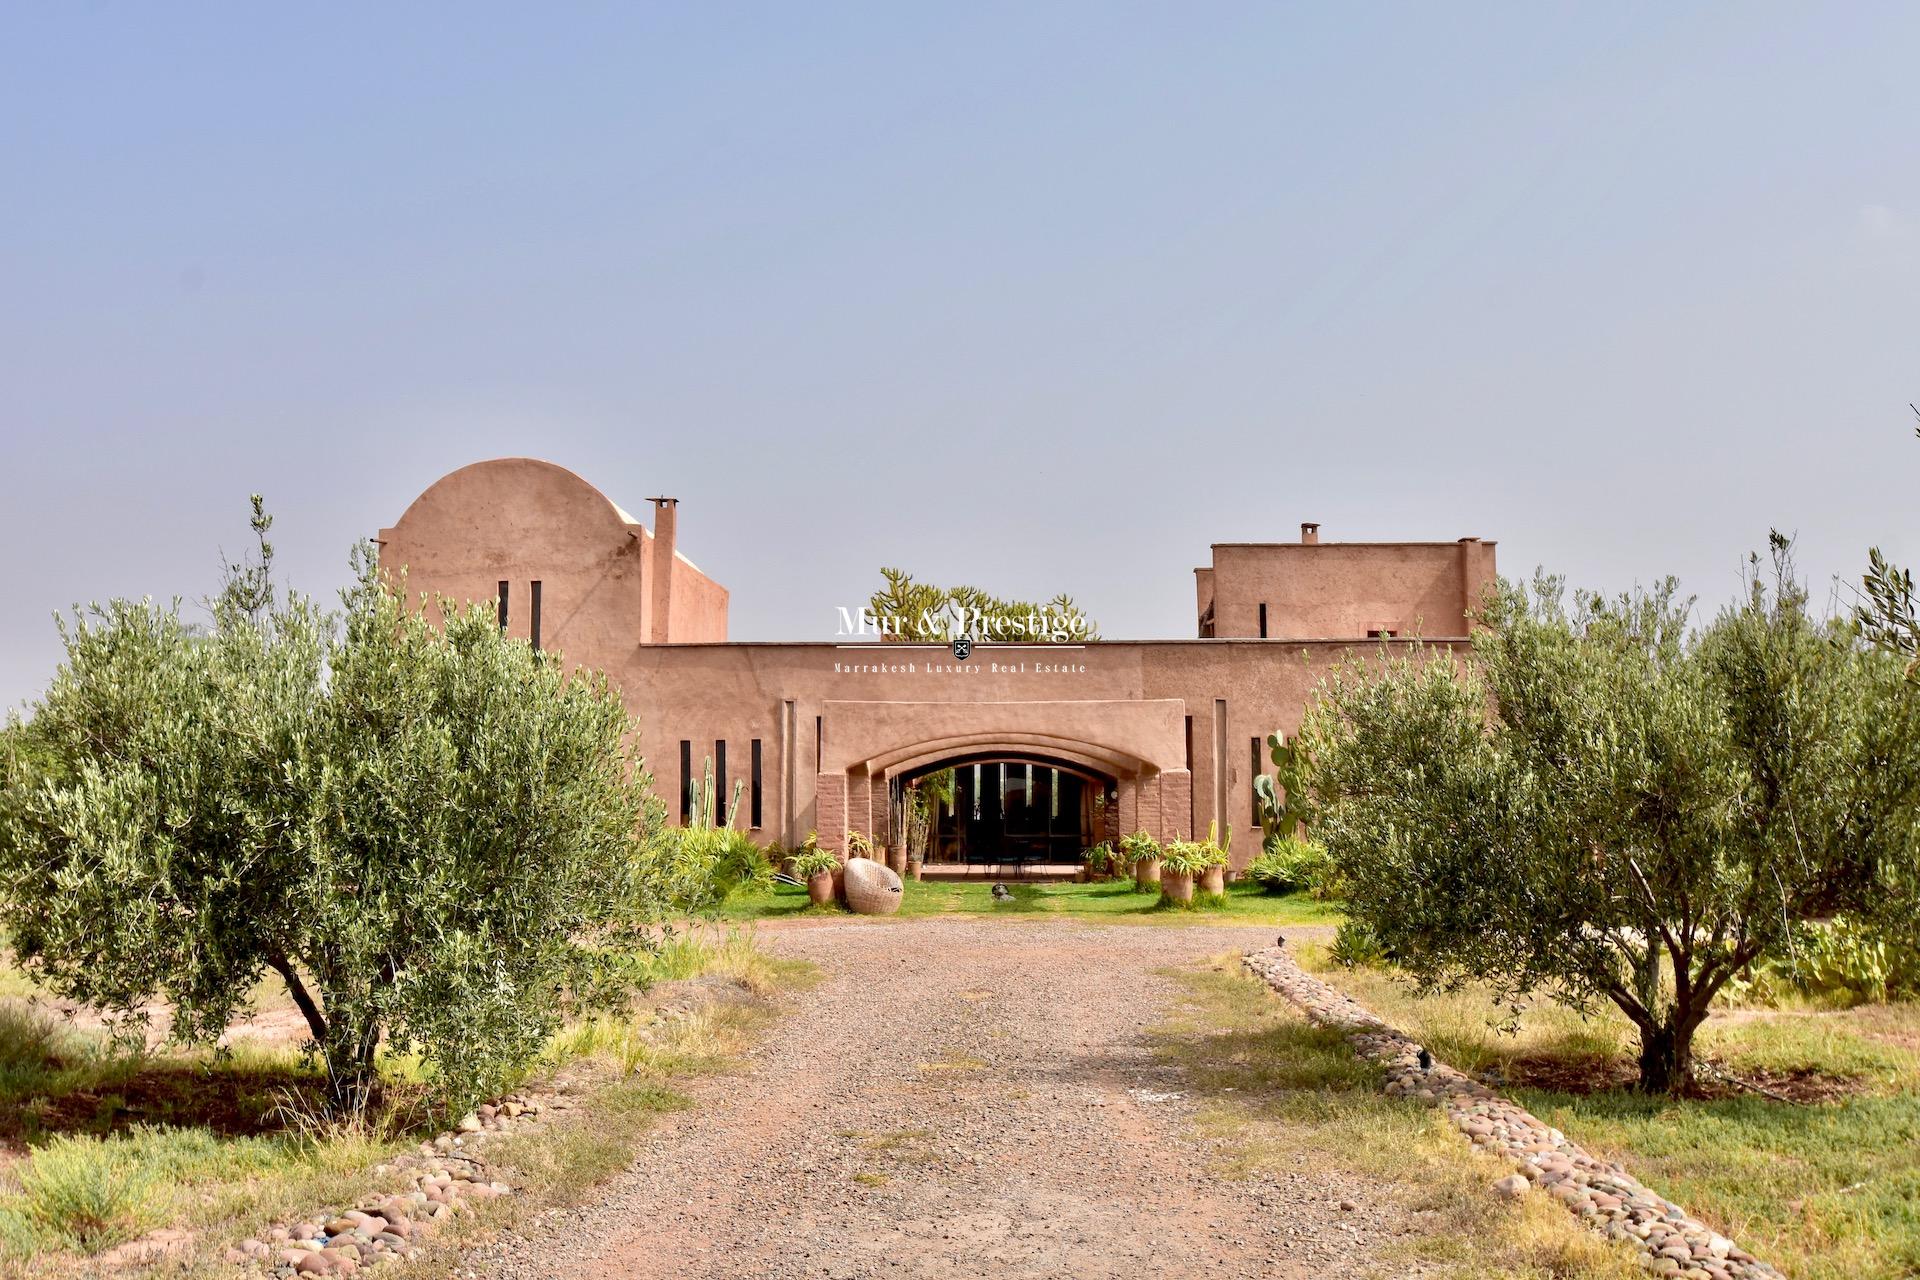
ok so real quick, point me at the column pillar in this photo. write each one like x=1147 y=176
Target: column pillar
x=1176 y=803
x=1147 y=797
x=859 y=805
x=881 y=810
x=830 y=810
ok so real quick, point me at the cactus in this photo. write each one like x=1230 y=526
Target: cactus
x=1280 y=796
x=705 y=812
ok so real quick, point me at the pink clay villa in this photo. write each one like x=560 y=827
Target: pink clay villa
x=1054 y=746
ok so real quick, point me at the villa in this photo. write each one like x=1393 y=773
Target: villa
x=1055 y=745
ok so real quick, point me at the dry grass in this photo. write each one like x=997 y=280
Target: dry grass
x=1280 y=1095
x=88 y=1190
x=1825 y=1188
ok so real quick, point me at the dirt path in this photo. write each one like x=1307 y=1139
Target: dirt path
x=957 y=1098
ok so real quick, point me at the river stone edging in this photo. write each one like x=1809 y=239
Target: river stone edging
x=1607 y=1199
x=441 y=1178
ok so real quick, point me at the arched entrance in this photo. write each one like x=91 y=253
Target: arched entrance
x=1005 y=809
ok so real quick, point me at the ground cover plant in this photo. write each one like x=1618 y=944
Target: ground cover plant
x=1609 y=806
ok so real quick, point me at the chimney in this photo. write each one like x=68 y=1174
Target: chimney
x=665 y=518
x=1309 y=534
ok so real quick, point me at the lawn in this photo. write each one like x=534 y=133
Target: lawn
x=1826 y=1189
x=1115 y=900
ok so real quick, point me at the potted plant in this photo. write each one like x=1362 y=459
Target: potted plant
x=1213 y=876
x=859 y=845
x=1099 y=861
x=1181 y=861
x=816 y=866
x=1143 y=851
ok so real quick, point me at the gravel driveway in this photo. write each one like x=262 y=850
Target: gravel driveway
x=958 y=1098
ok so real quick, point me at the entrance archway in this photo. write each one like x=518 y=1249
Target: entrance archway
x=1007 y=809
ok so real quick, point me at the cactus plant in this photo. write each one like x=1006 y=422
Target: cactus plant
x=704 y=813
x=1279 y=795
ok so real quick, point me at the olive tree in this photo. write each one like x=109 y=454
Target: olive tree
x=1605 y=806
x=427 y=832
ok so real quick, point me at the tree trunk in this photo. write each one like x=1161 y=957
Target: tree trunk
x=1666 y=1055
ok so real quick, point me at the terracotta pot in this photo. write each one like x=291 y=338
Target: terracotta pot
x=897 y=860
x=1213 y=880
x=1176 y=886
x=1146 y=873
x=913 y=868
x=820 y=888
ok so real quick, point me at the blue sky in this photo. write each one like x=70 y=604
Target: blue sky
x=1043 y=297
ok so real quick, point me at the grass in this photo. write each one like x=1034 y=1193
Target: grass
x=1281 y=1097
x=98 y=1159
x=1114 y=900
x=1826 y=1190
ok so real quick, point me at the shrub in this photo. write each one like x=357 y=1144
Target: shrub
x=1355 y=946
x=1844 y=959
x=1291 y=866
x=430 y=833
x=1100 y=858
x=693 y=869
x=86 y=1194
x=860 y=845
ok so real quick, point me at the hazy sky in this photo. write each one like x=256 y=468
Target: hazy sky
x=1040 y=296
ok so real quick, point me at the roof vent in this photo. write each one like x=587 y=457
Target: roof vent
x=1309 y=534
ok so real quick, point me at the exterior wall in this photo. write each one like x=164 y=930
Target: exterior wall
x=1126 y=710
x=699 y=610
x=1173 y=723
x=1344 y=590
x=520 y=520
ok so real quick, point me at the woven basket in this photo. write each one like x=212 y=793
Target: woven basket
x=872 y=889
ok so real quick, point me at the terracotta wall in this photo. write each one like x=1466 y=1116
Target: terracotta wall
x=521 y=521
x=1344 y=590
x=1173 y=721
x=739 y=692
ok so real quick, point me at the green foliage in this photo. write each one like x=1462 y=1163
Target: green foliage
x=1280 y=796
x=1607 y=807
x=1292 y=866
x=1887 y=616
x=84 y=1194
x=1139 y=847
x=812 y=860
x=429 y=833
x=910 y=610
x=1355 y=946
x=1100 y=858
x=860 y=845
x=1187 y=857
x=692 y=869
x=1843 y=960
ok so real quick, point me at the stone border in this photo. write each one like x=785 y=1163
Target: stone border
x=443 y=1176
x=1607 y=1199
